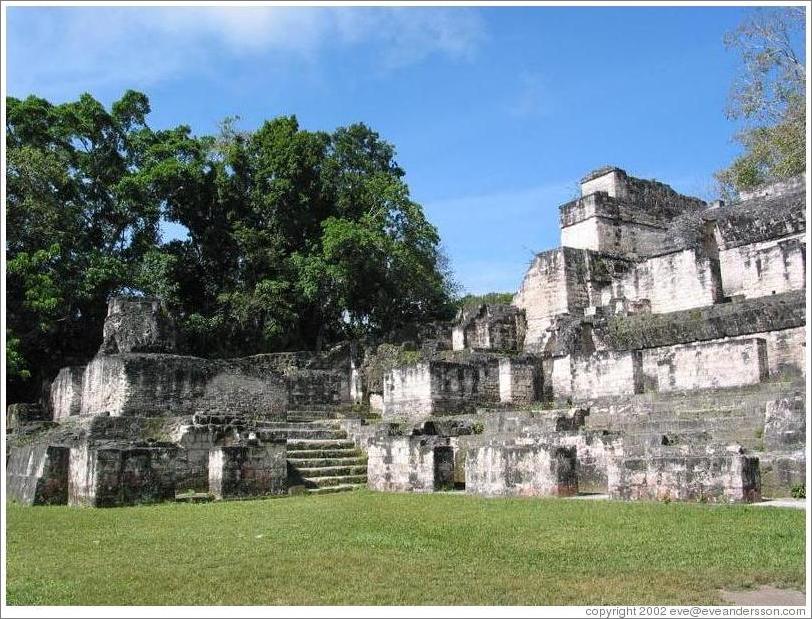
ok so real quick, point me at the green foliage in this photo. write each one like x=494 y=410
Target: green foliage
x=799 y=491
x=81 y=212
x=388 y=548
x=495 y=298
x=307 y=238
x=15 y=362
x=296 y=238
x=769 y=97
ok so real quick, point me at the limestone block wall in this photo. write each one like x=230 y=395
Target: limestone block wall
x=785 y=424
x=660 y=199
x=439 y=387
x=594 y=449
x=604 y=373
x=138 y=324
x=677 y=281
x=458 y=338
x=407 y=392
x=194 y=444
x=785 y=356
x=514 y=469
x=542 y=295
x=248 y=470
x=786 y=351
x=158 y=385
x=706 y=365
x=614 y=236
x=519 y=381
x=38 y=474
x=410 y=464
x=560 y=377
x=308 y=387
x=22 y=413
x=765 y=268
x=121 y=475
x=670 y=474
x=66 y=392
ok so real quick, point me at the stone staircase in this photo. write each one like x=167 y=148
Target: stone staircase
x=313 y=412
x=323 y=459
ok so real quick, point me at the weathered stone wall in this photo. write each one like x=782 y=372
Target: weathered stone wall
x=773 y=212
x=520 y=380
x=195 y=440
x=672 y=282
x=138 y=324
x=764 y=268
x=614 y=236
x=407 y=392
x=440 y=387
x=38 y=474
x=23 y=413
x=527 y=468
x=308 y=387
x=785 y=424
x=543 y=294
x=121 y=475
x=671 y=474
x=660 y=200
x=710 y=365
x=66 y=392
x=158 y=385
x=410 y=464
x=248 y=470
x=489 y=326
x=748 y=317
x=600 y=374
x=560 y=378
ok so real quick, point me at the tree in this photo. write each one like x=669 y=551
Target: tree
x=82 y=213
x=300 y=238
x=769 y=98
x=296 y=238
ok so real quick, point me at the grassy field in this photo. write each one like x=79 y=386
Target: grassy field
x=367 y=548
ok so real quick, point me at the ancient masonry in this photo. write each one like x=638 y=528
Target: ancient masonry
x=658 y=354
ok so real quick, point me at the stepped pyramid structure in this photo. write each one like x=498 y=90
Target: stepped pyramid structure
x=659 y=353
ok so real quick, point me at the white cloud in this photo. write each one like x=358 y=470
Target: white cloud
x=51 y=48
x=532 y=99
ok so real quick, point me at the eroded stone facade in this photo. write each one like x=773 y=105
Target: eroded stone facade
x=658 y=354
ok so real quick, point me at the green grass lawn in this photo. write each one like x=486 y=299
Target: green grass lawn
x=370 y=548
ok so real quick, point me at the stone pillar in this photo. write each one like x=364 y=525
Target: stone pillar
x=118 y=475
x=248 y=470
x=38 y=475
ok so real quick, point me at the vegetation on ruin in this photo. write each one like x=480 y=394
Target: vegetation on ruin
x=769 y=99
x=495 y=298
x=295 y=239
x=370 y=548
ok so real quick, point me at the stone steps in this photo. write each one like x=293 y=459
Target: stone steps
x=312 y=414
x=334 y=480
x=323 y=459
x=339 y=488
x=316 y=433
x=304 y=463
x=320 y=454
x=333 y=471
x=298 y=444
x=300 y=425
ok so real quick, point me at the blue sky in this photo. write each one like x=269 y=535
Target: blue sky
x=495 y=112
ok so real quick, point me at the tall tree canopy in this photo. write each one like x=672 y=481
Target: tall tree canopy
x=295 y=238
x=769 y=98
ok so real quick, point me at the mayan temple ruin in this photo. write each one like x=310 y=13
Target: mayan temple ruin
x=657 y=354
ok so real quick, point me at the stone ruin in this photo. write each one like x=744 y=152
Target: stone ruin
x=658 y=354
